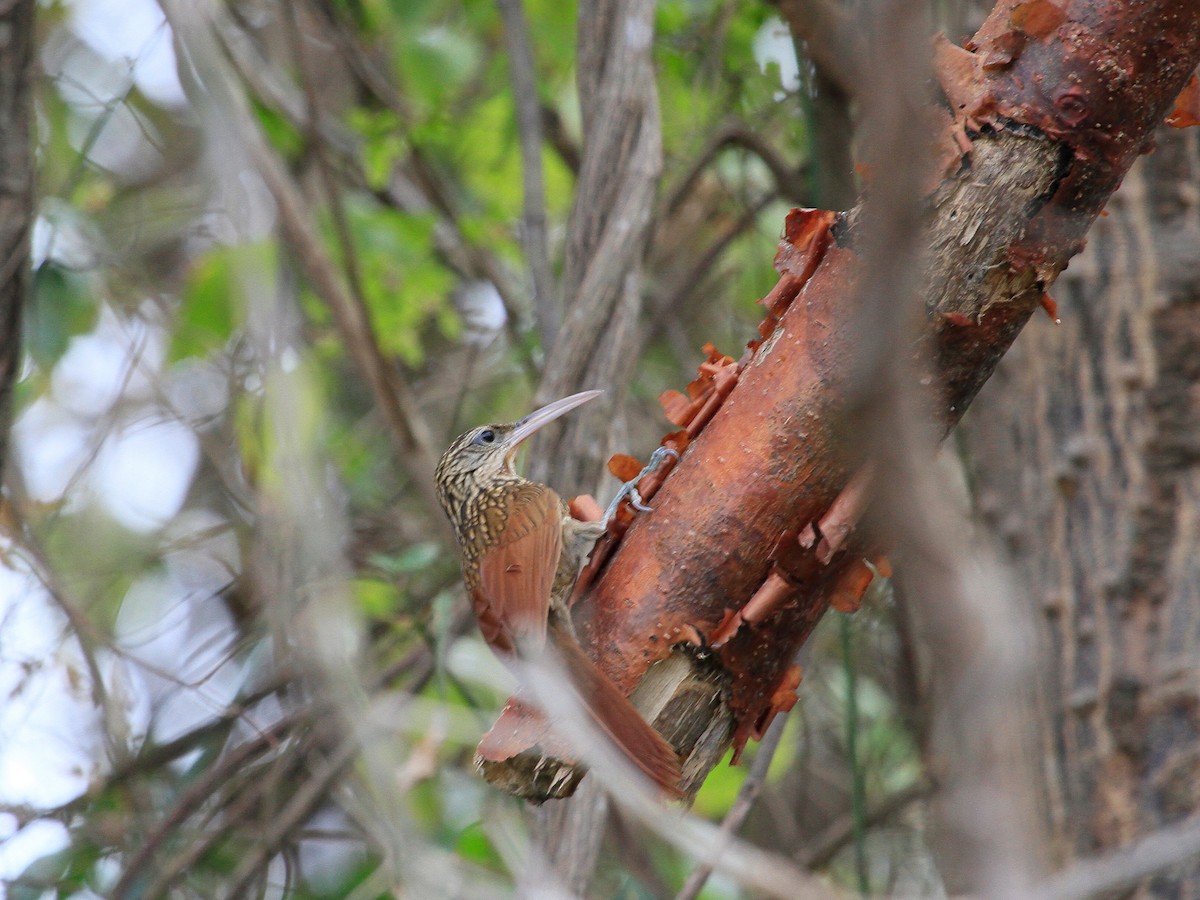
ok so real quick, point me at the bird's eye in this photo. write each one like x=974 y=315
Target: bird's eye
x=487 y=436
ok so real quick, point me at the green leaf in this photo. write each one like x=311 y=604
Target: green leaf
x=474 y=846
x=376 y=599
x=414 y=558
x=62 y=307
x=212 y=294
x=206 y=316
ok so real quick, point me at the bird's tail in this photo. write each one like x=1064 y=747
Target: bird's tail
x=617 y=717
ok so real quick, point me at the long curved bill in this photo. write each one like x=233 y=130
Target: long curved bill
x=547 y=414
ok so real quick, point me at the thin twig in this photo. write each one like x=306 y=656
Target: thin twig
x=790 y=180
x=840 y=832
x=295 y=813
x=197 y=793
x=749 y=793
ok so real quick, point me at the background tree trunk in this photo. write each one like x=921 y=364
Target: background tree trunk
x=1085 y=455
x=16 y=193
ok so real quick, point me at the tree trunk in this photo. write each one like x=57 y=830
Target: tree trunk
x=16 y=194
x=1085 y=453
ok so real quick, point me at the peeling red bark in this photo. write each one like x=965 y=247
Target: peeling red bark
x=768 y=451
x=1097 y=78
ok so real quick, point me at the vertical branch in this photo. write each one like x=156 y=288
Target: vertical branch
x=980 y=670
x=607 y=233
x=858 y=796
x=824 y=33
x=16 y=194
x=606 y=240
x=529 y=124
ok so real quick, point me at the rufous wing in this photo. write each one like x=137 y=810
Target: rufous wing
x=517 y=571
x=617 y=717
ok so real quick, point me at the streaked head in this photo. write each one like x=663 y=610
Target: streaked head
x=483 y=454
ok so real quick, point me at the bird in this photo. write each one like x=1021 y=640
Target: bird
x=521 y=553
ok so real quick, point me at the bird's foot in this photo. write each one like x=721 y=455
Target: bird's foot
x=629 y=489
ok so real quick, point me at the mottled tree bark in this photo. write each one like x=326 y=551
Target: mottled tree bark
x=16 y=194
x=606 y=238
x=1085 y=453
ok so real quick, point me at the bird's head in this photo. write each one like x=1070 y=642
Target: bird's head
x=486 y=453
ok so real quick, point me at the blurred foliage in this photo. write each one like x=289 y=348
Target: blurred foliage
x=418 y=197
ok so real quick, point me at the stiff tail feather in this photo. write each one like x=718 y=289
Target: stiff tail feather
x=617 y=717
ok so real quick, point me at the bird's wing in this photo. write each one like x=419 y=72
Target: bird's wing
x=516 y=573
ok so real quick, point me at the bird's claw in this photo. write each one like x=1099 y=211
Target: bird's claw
x=635 y=500
x=629 y=489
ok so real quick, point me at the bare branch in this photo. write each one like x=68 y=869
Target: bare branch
x=791 y=181
x=1123 y=870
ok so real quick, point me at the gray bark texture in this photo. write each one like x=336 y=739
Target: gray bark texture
x=606 y=237
x=16 y=194
x=1085 y=456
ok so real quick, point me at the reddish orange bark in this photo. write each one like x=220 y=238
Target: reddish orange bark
x=1096 y=77
x=731 y=552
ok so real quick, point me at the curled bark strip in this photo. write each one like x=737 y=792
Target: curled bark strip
x=771 y=595
x=844 y=514
x=1187 y=106
x=850 y=588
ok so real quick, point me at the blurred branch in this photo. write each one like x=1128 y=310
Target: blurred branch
x=1121 y=871
x=16 y=194
x=410 y=434
x=820 y=851
x=749 y=793
x=825 y=32
x=421 y=190
x=529 y=126
x=791 y=181
x=200 y=792
x=606 y=235
x=235 y=813
x=300 y=807
x=833 y=39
